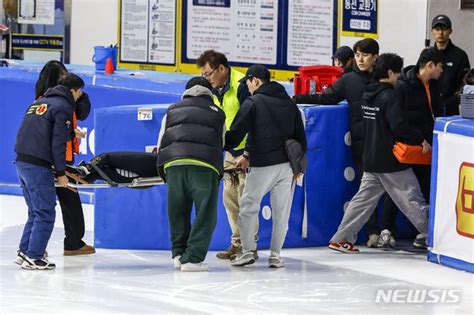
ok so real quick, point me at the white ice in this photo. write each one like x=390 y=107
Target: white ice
x=314 y=281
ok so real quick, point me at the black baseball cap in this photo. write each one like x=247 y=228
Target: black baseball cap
x=441 y=19
x=198 y=81
x=343 y=53
x=256 y=71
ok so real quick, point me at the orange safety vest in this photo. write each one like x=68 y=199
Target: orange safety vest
x=72 y=146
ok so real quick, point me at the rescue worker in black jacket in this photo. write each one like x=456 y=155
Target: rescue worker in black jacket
x=383 y=125
x=350 y=87
x=270 y=118
x=190 y=158
x=69 y=200
x=41 y=145
x=455 y=65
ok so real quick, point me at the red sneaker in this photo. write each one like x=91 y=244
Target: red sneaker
x=344 y=247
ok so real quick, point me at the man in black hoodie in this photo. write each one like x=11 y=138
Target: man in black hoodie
x=41 y=145
x=350 y=87
x=270 y=118
x=418 y=88
x=383 y=125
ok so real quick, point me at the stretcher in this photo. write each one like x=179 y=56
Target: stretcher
x=139 y=182
x=77 y=181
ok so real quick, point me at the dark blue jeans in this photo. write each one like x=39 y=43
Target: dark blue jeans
x=40 y=195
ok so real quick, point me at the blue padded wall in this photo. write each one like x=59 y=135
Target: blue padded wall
x=122 y=88
x=127 y=218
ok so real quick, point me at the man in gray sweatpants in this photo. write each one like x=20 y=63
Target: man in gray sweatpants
x=270 y=118
x=405 y=192
x=383 y=125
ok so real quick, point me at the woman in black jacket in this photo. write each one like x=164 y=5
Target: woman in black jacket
x=71 y=206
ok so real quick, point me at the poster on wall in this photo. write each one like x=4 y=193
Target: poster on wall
x=360 y=18
x=245 y=31
x=148 y=31
x=36 y=12
x=310 y=32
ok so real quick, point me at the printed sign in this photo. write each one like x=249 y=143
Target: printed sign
x=360 y=18
x=36 y=12
x=40 y=42
x=244 y=30
x=147 y=31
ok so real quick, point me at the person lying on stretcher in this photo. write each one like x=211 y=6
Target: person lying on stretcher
x=124 y=167
x=119 y=167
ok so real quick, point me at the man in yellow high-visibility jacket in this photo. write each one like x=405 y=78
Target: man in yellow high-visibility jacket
x=228 y=95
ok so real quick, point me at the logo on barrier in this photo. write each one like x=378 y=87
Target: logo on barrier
x=465 y=201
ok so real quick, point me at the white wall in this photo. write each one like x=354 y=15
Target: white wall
x=93 y=23
x=463 y=24
x=402 y=28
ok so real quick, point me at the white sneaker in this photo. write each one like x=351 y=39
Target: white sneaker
x=176 y=262
x=384 y=239
x=373 y=240
x=37 y=264
x=191 y=267
x=243 y=259
x=275 y=261
x=20 y=256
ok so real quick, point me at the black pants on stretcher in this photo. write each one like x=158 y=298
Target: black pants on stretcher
x=141 y=163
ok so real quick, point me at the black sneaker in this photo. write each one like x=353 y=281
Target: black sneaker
x=421 y=241
x=37 y=264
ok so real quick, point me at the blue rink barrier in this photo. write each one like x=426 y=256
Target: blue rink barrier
x=451 y=222
x=137 y=219
x=17 y=85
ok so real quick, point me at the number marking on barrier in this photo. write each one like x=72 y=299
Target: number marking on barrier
x=145 y=114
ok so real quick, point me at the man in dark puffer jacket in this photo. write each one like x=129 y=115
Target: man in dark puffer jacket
x=190 y=158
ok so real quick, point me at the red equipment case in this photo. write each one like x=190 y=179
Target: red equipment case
x=315 y=79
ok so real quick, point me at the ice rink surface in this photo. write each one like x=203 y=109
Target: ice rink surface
x=314 y=281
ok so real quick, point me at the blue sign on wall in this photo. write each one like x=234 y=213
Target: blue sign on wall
x=360 y=18
x=39 y=42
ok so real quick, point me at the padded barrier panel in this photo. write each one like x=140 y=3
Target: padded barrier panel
x=137 y=218
x=451 y=223
x=17 y=84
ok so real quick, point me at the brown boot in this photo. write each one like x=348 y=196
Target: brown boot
x=231 y=251
x=84 y=250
